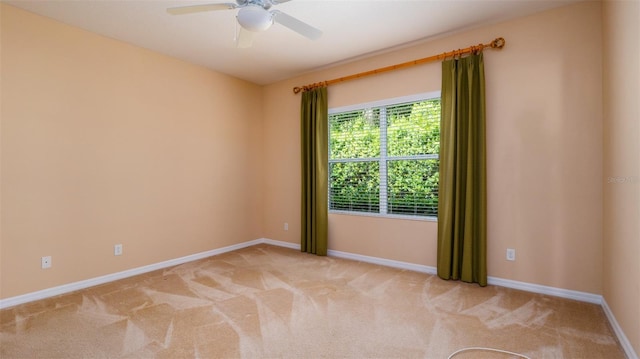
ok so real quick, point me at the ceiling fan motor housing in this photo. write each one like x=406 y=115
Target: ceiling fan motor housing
x=255 y=18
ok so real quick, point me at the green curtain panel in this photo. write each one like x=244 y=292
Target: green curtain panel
x=462 y=204
x=314 y=141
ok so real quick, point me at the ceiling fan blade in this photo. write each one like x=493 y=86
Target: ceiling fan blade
x=276 y=2
x=244 y=38
x=296 y=25
x=200 y=8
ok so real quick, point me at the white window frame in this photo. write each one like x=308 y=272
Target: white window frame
x=382 y=104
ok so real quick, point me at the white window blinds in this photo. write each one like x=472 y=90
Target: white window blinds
x=384 y=159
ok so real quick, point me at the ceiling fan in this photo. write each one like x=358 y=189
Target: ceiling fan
x=254 y=16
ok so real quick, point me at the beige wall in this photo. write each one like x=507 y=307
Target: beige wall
x=105 y=143
x=621 y=237
x=102 y=143
x=544 y=117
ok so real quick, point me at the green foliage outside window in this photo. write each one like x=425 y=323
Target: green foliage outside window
x=412 y=133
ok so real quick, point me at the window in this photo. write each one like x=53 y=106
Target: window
x=383 y=157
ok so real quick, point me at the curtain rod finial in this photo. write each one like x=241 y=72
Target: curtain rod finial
x=498 y=43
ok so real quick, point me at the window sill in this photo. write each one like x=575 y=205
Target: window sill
x=388 y=216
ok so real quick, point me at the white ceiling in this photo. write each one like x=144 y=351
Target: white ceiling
x=351 y=28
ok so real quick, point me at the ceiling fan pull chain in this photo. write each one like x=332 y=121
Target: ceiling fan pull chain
x=235 y=32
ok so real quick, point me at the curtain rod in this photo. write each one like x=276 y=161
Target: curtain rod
x=498 y=43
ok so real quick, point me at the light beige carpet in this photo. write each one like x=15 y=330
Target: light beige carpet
x=271 y=302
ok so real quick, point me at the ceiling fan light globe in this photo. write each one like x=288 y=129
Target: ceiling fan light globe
x=255 y=18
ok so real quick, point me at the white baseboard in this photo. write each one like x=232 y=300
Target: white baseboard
x=622 y=338
x=528 y=287
x=383 y=262
x=66 y=288
x=71 y=287
x=543 y=289
x=360 y=258
x=273 y=242
x=535 y=288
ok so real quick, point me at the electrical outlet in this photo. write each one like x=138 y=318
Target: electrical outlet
x=46 y=262
x=117 y=250
x=511 y=254
x=286 y=226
